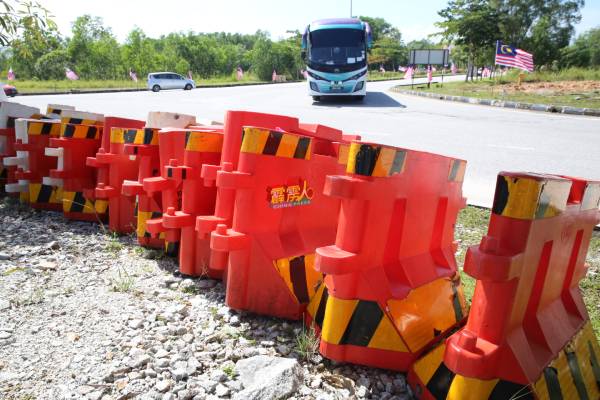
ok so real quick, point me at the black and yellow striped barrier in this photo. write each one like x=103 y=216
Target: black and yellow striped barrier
x=38 y=128
x=573 y=374
x=72 y=131
x=45 y=194
x=148 y=136
x=300 y=276
x=275 y=143
x=208 y=142
x=375 y=160
x=75 y=202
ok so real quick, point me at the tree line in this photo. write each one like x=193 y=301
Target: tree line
x=34 y=48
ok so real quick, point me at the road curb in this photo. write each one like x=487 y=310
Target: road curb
x=590 y=112
x=118 y=90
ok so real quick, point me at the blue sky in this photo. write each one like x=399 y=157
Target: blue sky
x=414 y=18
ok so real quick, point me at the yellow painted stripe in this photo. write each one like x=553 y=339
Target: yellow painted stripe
x=313 y=305
x=36 y=128
x=142 y=217
x=134 y=136
x=287 y=146
x=70 y=205
x=426 y=309
x=71 y=120
x=80 y=131
x=254 y=140
x=337 y=315
x=101 y=206
x=463 y=388
x=207 y=142
x=343 y=151
x=34 y=193
x=591 y=197
x=384 y=162
x=524 y=197
x=375 y=160
x=457 y=170
x=313 y=277
x=426 y=366
x=386 y=337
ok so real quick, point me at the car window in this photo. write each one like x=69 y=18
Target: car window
x=174 y=76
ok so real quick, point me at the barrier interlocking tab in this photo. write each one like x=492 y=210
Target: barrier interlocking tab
x=391 y=284
x=528 y=334
x=280 y=217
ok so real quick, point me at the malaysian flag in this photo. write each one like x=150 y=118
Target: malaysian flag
x=513 y=57
x=11 y=75
x=409 y=72
x=133 y=76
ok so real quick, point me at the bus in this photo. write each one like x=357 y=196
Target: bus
x=335 y=51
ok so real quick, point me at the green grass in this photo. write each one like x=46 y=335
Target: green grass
x=307 y=342
x=472 y=225
x=496 y=89
x=28 y=86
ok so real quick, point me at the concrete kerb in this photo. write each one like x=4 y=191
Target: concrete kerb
x=590 y=112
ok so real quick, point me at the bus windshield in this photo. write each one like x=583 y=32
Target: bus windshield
x=338 y=47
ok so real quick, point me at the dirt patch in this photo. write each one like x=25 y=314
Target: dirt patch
x=554 y=88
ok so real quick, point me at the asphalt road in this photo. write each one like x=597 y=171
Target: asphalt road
x=490 y=139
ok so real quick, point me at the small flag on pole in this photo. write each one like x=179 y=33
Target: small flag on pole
x=190 y=75
x=453 y=69
x=133 y=76
x=409 y=72
x=11 y=75
x=486 y=73
x=429 y=73
x=72 y=76
x=513 y=57
x=274 y=76
x=240 y=73
x=381 y=69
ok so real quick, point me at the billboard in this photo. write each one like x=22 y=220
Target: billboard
x=430 y=56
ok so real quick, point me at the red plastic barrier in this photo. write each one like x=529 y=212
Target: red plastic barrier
x=528 y=334
x=527 y=303
x=114 y=167
x=141 y=144
x=206 y=224
x=7 y=149
x=280 y=216
x=391 y=286
x=36 y=137
x=202 y=146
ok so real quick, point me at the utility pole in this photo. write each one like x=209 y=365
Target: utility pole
x=350 y=8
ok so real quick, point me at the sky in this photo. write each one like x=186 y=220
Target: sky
x=414 y=18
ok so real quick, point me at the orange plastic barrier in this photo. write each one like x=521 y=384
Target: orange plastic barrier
x=36 y=137
x=280 y=216
x=203 y=146
x=528 y=334
x=232 y=140
x=114 y=167
x=79 y=139
x=391 y=285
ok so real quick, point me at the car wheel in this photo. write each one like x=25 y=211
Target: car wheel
x=316 y=98
x=187 y=87
x=156 y=88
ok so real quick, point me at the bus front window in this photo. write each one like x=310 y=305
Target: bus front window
x=337 y=47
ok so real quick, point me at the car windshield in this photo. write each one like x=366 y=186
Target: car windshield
x=338 y=47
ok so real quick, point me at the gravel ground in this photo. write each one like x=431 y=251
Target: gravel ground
x=85 y=315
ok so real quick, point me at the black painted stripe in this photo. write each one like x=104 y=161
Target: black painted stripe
x=501 y=195
x=78 y=203
x=76 y=121
x=10 y=122
x=594 y=363
x=44 y=194
x=576 y=375
x=172 y=249
x=3 y=173
x=365 y=160
x=169 y=172
x=398 y=162
x=69 y=130
x=184 y=174
x=46 y=129
x=298 y=278
x=148 y=135
x=320 y=315
x=129 y=135
x=454 y=170
x=272 y=143
x=505 y=390
x=156 y=214
x=363 y=324
x=458 y=312
x=187 y=138
x=302 y=148
x=552 y=383
x=91 y=132
x=440 y=382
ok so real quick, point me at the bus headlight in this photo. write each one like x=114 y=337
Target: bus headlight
x=359 y=86
x=314 y=87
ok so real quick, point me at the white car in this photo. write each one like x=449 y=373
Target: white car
x=169 y=80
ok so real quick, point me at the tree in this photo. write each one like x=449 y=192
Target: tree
x=584 y=52
x=471 y=23
x=19 y=14
x=52 y=65
x=380 y=28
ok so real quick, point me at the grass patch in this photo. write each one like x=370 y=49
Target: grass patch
x=13 y=270
x=472 y=224
x=307 y=343
x=229 y=371
x=562 y=88
x=34 y=297
x=113 y=244
x=122 y=282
